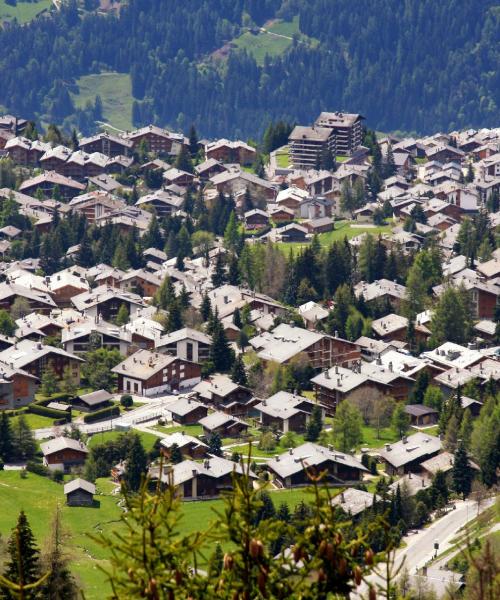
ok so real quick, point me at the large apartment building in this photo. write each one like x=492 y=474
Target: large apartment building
x=347 y=128
x=307 y=146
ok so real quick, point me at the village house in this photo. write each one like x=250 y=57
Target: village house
x=37 y=300
x=354 y=502
x=26 y=152
x=226 y=151
x=50 y=183
x=186 y=343
x=148 y=374
x=223 y=424
x=157 y=140
x=421 y=415
x=381 y=290
x=209 y=168
x=256 y=219
x=289 y=468
x=285 y=411
x=106 y=143
x=222 y=393
x=227 y=298
x=17 y=387
x=237 y=182
x=105 y=302
x=201 y=480
x=63 y=454
x=96 y=204
x=187 y=411
x=92 y=401
x=190 y=446
x=79 y=492
x=164 y=203
x=141 y=282
x=408 y=454
x=35 y=358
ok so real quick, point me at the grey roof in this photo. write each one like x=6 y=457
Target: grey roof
x=310 y=455
x=96 y=397
x=214 y=467
x=316 y=134
x=79 y=484
x=219 y=419
x=283 y=405
x=354 y=501
x=184 y=334
x=183 y=406
x=221 y=385
x=25 y=352
x=417 y=410
x=181 y=439
x=103 y=293
x=62 y=443
x=284 y=342
x=410 y=448
x=143 y=364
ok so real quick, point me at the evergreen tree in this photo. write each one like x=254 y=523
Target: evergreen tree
x=237 y=318
x=347 y=423
x=221 y=354
x=49 y=383
x=238 y=373
x=231 y=234
x=400 y=420
x=136 y=464
x=205 y=308
x=193 y=141
x=85 y=255
x=462 y=473
x=315 y=425
x=23 y=563
x=165 y=294
x=7 y=323
x=174 y=319
x=175 y=454
x=215 y=444
x=219 y=274
x=6 y=442
x=60 y=584
x=122 y=317
x=183 y=161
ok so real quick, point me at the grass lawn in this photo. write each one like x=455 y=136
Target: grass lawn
x=38 y=497
x=193 y=430
x=262 y=43
x=35 y=421
x=115 y=90
x=282 y=158
x=341 y=159
x=23 y=11
x=370 y=439
x=342 y=229
x=148 y=439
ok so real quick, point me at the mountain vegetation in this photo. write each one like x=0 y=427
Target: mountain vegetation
x=414 y=66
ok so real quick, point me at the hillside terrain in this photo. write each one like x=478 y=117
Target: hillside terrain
x=280 y=59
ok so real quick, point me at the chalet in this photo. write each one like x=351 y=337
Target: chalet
x=157 y=140
x=312 y=314
x=148 y=374
x=408 y=454
x=164 y=203
x=286 y=342
x=442 y=462
x=26 y=152
x=403 y=161
x=145 y=333
x=141 y=282
x=223 y=424
x=55 y=160
x=96 y=204
x=291 y=468
x=190 y=446
x=63 y=285
x=450 y=355
x=293 y=232
x=17 y=387
x=79 y=493
x=286 y=411
x=226 y=151
x=187 y=411
x=256 y=219
x=105 y=183
x=154 y=255
x=395 y=327
x=209 y=168
x=292 y=198
x=106 y=302
x=37 y=300
x=106 y=143
x=49 y=183
x=180 y=178
x=421 y=415
x=354 y=502
x=281 y=214
x=381 y=290
x=222 y=393
x=484 y=295
x=35 y=357
x=10 y=232
x=63 y=454
x=92 y=401
x=319 y=225
x=237 y=182
x=227 y=298
x=196 y=480
x=444 y=153
x=188 y=344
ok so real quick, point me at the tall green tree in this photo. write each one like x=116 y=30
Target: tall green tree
x=6 y=441
x=347 y=427
x=136 y=465
x=462 y=472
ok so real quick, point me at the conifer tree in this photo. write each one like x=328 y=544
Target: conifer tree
x=136 y=464
x=215 y=444
x=6 y=444
x=221 y=353
x=462 y=473
x=22 y=440
x=183 y=161
x=174 y=319
x=23 y=563
x=175 y=454
x=85 y=255
x=315 y=425
x=205 y=308
x=7 y=323
x=238 y=373
x=219 y=274
x=193 y=140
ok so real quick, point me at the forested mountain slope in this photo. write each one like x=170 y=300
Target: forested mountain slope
x=421 y=66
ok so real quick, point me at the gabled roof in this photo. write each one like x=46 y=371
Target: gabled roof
x=79 y=484
x=62 y=443
x=219 y=419
x=410 y=448
x=183 y=406
x=186 y=333
x=143 y=364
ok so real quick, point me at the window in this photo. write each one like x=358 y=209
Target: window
x=189 y=351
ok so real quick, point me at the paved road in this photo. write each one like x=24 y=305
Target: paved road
x=419 y=547
x=153 y=408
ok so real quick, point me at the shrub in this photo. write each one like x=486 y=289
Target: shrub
x=100 y=415
x=126 y=401
x=37 y=468
x=52 y=413
x=57 y=476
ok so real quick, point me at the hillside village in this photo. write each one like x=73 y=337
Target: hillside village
x=325 y=300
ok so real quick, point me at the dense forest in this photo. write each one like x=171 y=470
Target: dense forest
x=415 y=66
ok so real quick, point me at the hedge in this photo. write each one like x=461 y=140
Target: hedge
x=100 y=415
x=52 y=413
x=37 y=468
x=59 y=397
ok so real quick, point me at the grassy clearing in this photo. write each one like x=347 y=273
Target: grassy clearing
x=193 y=430
x=148 y=439
x=35 y=421
x=262 y=43
x=23 y=11
x=282 y=158
x=115 y=90
x=342 y=230
x=370 y=439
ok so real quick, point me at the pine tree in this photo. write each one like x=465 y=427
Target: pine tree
x=122 y=317
x=315 y=425
x=7 y=323
x=237 y=318
x=23 y=442
x=165 y=294
x=23 y=564
x=85 y=256
x=233 y=272
x=400 y=420
x=174 y=319
x=175 y=454
x=6 y=443
x=215 y=444
x=238 y=373
x=347 y=423
x=205 y=308
x=49 y=383
x=183 y=161
x=60 y=584
x=193 y=141
x=219 y=274
x=136 y=464
x=221 y=354
x=462 y=473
